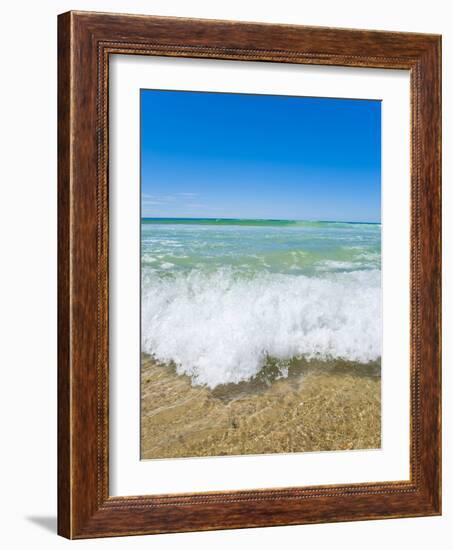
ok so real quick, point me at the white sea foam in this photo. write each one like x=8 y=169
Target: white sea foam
x=328 y=265
x=218 y=328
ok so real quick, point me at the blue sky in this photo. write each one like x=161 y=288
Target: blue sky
x=260 y=156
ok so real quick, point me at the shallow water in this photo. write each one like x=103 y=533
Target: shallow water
x=319 y=406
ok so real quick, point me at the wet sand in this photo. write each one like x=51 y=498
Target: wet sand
x=318 y=407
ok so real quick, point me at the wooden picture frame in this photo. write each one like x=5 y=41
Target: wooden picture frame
x=85 y=42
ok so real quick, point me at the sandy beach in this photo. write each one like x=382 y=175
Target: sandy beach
x=317 y=407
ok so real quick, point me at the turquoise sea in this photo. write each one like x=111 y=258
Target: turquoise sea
x=223 y=297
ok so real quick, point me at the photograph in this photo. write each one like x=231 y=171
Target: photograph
x=260 y=236
x=225 y=275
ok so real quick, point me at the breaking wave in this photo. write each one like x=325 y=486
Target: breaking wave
x=221 y=327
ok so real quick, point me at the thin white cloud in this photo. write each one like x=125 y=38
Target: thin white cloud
x=153 y=200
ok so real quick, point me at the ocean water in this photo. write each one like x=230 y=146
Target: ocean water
x=223 y=299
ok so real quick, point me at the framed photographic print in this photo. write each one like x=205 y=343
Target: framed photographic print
x=249 y=275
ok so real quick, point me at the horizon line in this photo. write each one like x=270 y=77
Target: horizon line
x=254 y=219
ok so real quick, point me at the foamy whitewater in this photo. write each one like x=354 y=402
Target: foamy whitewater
x=220 y=298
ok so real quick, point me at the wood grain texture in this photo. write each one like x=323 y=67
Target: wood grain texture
x=86 y=40
x=64 y=344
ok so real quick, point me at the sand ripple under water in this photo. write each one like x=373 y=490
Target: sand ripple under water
x=319 y=406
